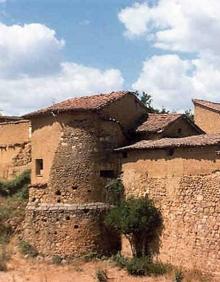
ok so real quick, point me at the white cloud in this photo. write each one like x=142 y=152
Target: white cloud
x=173 y=82
x=32 y=49
x=190 y=27
x=135 y=19
x=33 y=73
x=180 y=25
x=166 y=79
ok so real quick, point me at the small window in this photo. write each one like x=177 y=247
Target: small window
x=124 y=155
x=179 y=131
x=39 y=167
x=107 y=173
x=170 y=152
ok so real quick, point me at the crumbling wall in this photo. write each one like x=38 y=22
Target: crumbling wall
x=185 y=186
x=15 y=148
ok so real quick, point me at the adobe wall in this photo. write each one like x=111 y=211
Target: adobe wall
x=13 y=132
x=127 y=110
x=185 y=186
x=180 y=128
x=15 y=148
x=76 y=149
x=207 y=120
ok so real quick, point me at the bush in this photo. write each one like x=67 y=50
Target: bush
x=114 y=191
x=144 y=266
x=139 y=220
x=5 y=233
x=27 y=249
x=17 y=185
x=141 y=266
x=120 y=261
x=13 y=202
x=101 y=276
x=179 y=276
x=57 y=260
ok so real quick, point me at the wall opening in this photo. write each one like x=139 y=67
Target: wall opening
x=124 y=155
x=170 y=152
x=58 y=193
x=107 y=173
x=179 y=131
x=39 y=167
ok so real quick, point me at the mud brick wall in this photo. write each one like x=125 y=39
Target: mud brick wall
x=15 y=148
x=186 y=187
x=207 y=119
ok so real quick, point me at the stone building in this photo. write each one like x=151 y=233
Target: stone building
x=182 y=176
x=15 y=147
x=78 y=145
x=72 y=160
x=207 y=115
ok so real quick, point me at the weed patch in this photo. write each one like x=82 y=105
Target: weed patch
x=101 y=275
x=27 y=249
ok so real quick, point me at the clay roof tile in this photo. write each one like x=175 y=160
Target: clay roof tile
x=207 y=104
x=86 y=103
x=156 y=122
x=191 y=141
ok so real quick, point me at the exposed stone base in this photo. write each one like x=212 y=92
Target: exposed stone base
x=69 y=230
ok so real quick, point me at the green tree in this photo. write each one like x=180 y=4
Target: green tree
x=147 y=100
x=189 y=114
x=139 y=221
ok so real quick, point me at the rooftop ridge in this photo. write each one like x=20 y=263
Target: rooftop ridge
x=214 y=106
x=84 y=103
x=190 y=141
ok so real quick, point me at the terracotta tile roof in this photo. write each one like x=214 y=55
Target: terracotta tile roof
x=9 y=118
x=191 y=141
x=157 y=122
x=87 y=103
x=207 y=104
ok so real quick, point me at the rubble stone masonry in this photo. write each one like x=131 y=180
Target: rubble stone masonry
x=64 y=215
x=185 y=185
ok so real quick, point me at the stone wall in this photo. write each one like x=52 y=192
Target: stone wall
x=69 y=230
x=15 y=148
x=78 y=161
x=185 y=186
x=208 y=120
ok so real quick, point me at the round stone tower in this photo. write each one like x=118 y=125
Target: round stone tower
x=72 y=161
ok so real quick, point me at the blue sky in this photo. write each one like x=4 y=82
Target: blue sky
x=55 y=49
x=91 y=29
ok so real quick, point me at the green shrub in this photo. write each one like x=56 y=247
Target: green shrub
x=139 y=220
x=141 y=266
x=114 y=191
x=27 y=249
x=120 y=260
x=57 y=259
x=101 y=275
x=12 y=207
x=17 y=185
x=179 y=276
x=5 y=233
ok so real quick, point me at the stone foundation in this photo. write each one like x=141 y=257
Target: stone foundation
x=69 y=229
